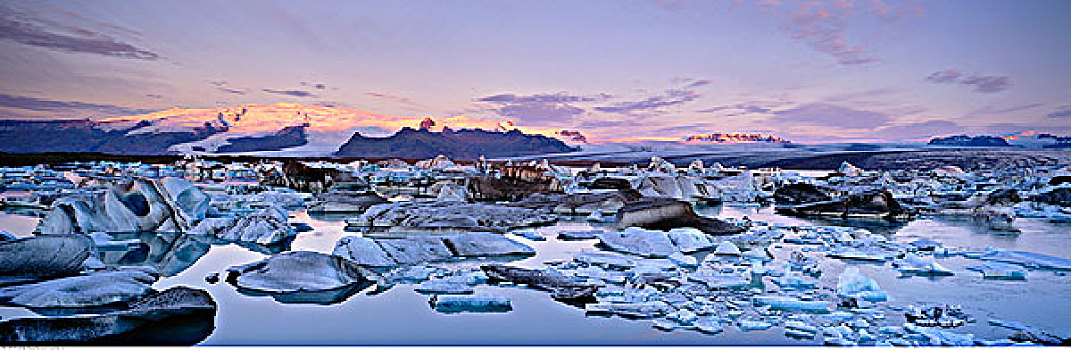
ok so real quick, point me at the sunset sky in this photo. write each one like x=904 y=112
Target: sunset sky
x=818 y=71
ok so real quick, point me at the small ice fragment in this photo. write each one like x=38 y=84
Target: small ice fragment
x=916 y=265
x=578 y=235
x=683 y=260
x=727 y=248
x=443 y=287
x=996 y=270
x=709 y=325
x=749 y=325
x=531 y=236
x=790 y=303
x=471 y=303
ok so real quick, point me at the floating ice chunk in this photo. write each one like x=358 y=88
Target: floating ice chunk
x=916 y=265
x=579 y=235
x=648 y=309
x=363 y=251
x=596 y=216
x=790 y=303
x=996 y=270
x=606 y=259
x=998 y=342
x=443 y=287
x=925 y=244
x=838 y=341
x=531 y=236
x=800 y=329
x=853 y=284
x=861 y=254
x=690 y=240
x=480 y=302
x=683 y=260
x=412 y=274
x=865 y=336
x=485 y=244
x=757 y=255
x=638 y=241
x=718 y=280
x=1030 y=259
x=727 y=248
x=795 y=281
x=709 y=325
x=598 y=273
x=610 y=290
x=938 y=337
x=836 y=317
x=683 y=317
x=666 y=325
x=750 y=325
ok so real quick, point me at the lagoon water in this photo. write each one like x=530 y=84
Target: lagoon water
x=400 y=316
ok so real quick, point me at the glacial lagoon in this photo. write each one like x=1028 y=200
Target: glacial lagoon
x=401 y=316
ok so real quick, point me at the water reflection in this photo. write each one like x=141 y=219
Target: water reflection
x=322 y=297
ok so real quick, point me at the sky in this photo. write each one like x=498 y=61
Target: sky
x=808 y=71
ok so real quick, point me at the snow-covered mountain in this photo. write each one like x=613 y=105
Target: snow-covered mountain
x=285 y=129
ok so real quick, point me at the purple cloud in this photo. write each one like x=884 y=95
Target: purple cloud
x=741 y=108
x=317 y=86
x=559 y=97
x=919 y=130
x=43 y=105
x=950 y=75
x=291 y=93
x=987 y=84
x=540 y=109
x=824 y=114
x=671 y=97
x=392 y=98
x=977 y=82
x=830 y=27
x=35 y=32
x=1060 y=113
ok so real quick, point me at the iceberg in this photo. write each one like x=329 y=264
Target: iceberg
x=638 y=241
x=853 y=284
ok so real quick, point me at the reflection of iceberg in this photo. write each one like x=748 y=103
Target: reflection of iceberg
x=169 y=252
x=322 y=297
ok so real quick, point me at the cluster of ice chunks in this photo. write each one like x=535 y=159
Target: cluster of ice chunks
x=726 y=289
